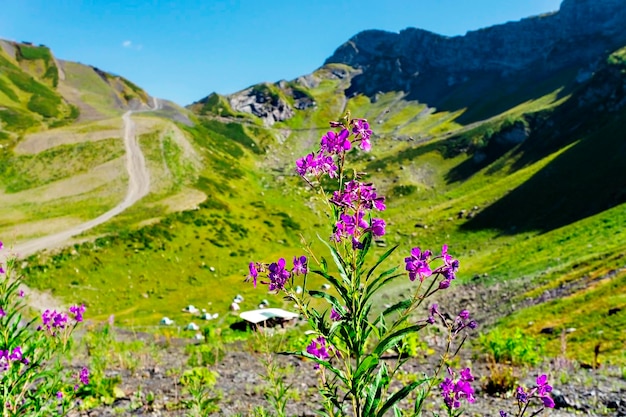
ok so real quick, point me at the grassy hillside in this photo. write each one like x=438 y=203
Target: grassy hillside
x=525 y=186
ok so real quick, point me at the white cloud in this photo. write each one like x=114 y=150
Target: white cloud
x=127 y=44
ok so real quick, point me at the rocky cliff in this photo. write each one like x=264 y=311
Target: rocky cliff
x=576 y=35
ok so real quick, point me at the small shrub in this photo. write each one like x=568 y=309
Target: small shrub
x=517 y=349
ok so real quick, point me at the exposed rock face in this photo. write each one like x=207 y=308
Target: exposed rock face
x=262 y=103
x=269 y=102
x=578 y=33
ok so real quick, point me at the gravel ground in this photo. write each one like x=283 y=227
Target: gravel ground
x=577 y=391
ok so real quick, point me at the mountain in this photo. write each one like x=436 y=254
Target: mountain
x=431 y=68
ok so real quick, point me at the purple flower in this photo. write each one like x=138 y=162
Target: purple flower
x=319 y=349
x=316 y=165
x=20 y=293
x=464 y=315
x=84 y=376
x=378 y=227
x=543 y=389
x=59 y=394
x=362 y=130
x=521 y=395
x=334 y=315
x=300 y=265
x=253 y=273
x=417 y=264
x=2 y=312
x=333 y=143
x=453 y=391
x=504 y=413
x=53 y=320
x=77 y=312
x=278 y=275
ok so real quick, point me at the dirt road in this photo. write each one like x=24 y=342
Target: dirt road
x=138 y=187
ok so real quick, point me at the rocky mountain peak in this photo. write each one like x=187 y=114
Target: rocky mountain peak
x=579 y=33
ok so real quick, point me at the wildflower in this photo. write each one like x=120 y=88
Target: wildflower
x=504 y=413
x=333 y=143
x=84 y=376
x=453 y=391
x=2 y=312
x=417 y=264
x=299 y=265
x=378 y=227
x=334 y=315
x=53 y=320
x=20 y=293
x=253 y=273
x=278 y=275
x=318 y=349
x=521 y=395
x=362 y=130
x=77 y=312
x=543 y=389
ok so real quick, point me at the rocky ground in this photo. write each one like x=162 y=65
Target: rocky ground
x=242 y=386
x=153 y=389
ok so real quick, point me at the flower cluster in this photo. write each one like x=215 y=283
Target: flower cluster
x=319 y=349
x=7 y=358
x=77 y=312
x=418 y=264
x=462 y=321
x=355 y=199
x=541 y=391
x=53 y=320
x=454 y=391
x=276 y=272
x=83 y=378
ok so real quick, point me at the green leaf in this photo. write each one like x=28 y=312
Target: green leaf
x=374 y=391
x=342 y=267
x=367 y=244
x=398 y=396
x=341 y=289
x=380 y=261
x=368 y=364
x=391 y=340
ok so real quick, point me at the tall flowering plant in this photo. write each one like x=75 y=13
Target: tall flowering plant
x=32 y=379
x=352 y=336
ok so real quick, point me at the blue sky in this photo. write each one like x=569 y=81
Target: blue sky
x=184 y=50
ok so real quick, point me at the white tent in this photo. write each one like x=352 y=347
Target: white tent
x=261 y=315
x=192 y=326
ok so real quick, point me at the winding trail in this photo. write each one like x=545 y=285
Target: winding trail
x=138 y=187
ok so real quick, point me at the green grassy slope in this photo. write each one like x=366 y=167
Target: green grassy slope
x=548 y=210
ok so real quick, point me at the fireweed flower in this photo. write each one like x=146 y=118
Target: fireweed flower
x=378 y=227
x=318 y=349
x=333 y=143
x=356 y=195
x=84 y=376
x=417 y=264
x=453 y=391
x=299 y=265
x=52 y=320
x=361 y=129
x=334 y=315
x=253 y=273
x=2 y=312
x=77 y=312
x=278 y=275
x=316 y=165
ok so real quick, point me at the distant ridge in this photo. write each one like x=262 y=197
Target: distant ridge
x=578 y=34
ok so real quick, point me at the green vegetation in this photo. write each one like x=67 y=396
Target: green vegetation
x=443 y=176
x=27 y=171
